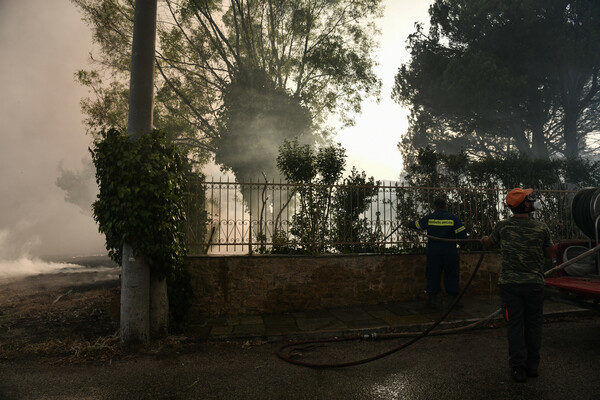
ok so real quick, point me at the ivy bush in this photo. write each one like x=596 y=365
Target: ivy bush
x=141 y=201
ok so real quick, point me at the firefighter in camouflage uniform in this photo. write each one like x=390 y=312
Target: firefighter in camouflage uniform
x=524 y=243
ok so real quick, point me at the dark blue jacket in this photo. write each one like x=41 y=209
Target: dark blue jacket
x=443 y=224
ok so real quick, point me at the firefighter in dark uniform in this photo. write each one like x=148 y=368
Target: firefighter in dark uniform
x=441 y=256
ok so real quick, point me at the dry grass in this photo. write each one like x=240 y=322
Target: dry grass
x=55 y=316
x=67 y=319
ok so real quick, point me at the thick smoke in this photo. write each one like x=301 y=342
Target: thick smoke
x=16 y=260
x=43 y=43
x=79 y=185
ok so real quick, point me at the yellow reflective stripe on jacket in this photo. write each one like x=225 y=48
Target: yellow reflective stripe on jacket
x=417 y=225
x=441 y=222
x=462 y=228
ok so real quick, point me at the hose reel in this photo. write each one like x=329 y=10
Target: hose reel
x=585 y=210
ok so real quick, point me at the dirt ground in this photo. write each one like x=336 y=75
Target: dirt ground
x=70 y=317
x=71 y=314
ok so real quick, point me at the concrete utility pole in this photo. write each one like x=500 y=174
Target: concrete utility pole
x=135 y=320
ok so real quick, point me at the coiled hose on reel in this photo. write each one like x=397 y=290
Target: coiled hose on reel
x=585 y=209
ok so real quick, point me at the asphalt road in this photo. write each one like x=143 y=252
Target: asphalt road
x=470 y=365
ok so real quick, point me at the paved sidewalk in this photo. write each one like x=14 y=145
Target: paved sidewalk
x=381 y=318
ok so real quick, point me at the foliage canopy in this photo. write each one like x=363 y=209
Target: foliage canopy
x=329 y=212
x=237 y=78
x=496 y=76
x=435 y=169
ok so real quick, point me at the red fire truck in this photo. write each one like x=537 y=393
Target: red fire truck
x=576 y=277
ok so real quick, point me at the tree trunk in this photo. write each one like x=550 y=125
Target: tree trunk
x=521 y=142
x=538 y=143
x=135 y=280
x=570 y=134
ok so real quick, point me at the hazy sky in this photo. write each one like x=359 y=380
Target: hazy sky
x=43 y=42
x=372 y=143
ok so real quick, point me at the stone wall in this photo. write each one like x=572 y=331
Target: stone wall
x=257 y=284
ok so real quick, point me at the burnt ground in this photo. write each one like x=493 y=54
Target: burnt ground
x=72 y=314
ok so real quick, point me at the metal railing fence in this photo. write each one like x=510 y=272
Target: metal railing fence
x=227 y=217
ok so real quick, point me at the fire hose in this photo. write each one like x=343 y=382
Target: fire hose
x=573 y=260
x=416 y=336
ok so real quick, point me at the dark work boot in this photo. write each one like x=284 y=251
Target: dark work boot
x=518 y=374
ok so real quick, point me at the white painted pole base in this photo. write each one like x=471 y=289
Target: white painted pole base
x=135 y=299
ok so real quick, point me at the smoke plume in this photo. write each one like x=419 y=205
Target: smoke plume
x=43 y=43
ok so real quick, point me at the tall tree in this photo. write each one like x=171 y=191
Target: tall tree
x=575 y=29
x=236 y=78
x=491 y=77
